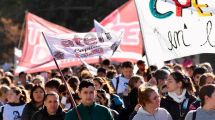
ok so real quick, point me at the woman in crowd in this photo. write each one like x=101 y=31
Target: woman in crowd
x=116 y=101
x=37 y=95
x=133 y=84
x=104 y=99
x=51 y=110
x=150 y=101
x=207 y=109
x=14 y=108
x=65 y=101
x=179 y=98
x=3 y=94
x=205 y=79
x=74 y=83
x=39 y=80
x=130 y=98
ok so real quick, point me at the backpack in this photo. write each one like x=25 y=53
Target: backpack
x=1 y=112
x=194 y=115
x=117 y=83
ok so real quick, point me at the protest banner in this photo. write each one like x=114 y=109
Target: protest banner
x=173 y=29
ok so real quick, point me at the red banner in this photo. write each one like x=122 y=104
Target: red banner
x=124 y=19
x=36 y=56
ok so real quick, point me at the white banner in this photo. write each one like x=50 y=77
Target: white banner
x=174 y=29
x=82 y=45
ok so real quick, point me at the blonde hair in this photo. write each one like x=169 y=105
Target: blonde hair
x=3 y=90
x=40 y=78
x=105 y=84
x=133 y=80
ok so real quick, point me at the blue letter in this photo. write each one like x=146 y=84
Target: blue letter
x=155 y=13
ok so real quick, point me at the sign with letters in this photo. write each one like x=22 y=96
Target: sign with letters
x=176 y=28
x=82 y=45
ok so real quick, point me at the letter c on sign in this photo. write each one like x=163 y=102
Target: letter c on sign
x=155 y=13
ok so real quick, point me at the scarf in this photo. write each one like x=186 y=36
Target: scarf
x=178 y=98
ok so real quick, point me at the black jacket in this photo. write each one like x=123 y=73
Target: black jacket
x=178 y=111
x=29 y=110
x=43 y=115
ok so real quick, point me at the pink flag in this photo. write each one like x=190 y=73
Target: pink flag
x=124 y=20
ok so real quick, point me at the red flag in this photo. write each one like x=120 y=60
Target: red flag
x=125 y=19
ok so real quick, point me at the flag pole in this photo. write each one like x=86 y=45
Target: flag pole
x=150 y=71
x=22 y=30
x=63 y=78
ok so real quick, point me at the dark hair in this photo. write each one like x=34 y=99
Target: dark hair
x=74 y=83
x=111 y=74
x=139 y=62
x=62 y=88
x=111 y=67
x=202 y=80
x=193 y=67
x=32 y=91
x=22 y=73
x=104 y=96
x=161 y=74
x=6 y=81
x=178 y=66
x=85 y=84
x=102 y=70
x=29 y=86
x=18 y=91
x=55 y=74
x=199 y=70
x=185 y=80
x=52 y=93
x=152 y=68
x=66 y=70
x=52 y=84
x=106 y=62
x=206 y=90
x=127 y=64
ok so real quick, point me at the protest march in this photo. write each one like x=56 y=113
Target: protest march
x=143 y=61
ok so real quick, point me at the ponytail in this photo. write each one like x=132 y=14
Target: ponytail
x=185 y=80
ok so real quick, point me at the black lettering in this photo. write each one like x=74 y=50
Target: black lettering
x=209 y=27
x=176 y=39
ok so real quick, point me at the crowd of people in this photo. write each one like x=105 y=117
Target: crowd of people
x=115 y=92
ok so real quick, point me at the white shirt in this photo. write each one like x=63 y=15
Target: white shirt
x=123 y=84
x=12 y=112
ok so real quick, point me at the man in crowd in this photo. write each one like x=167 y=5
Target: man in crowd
x=120 y=83
x=88 y=109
